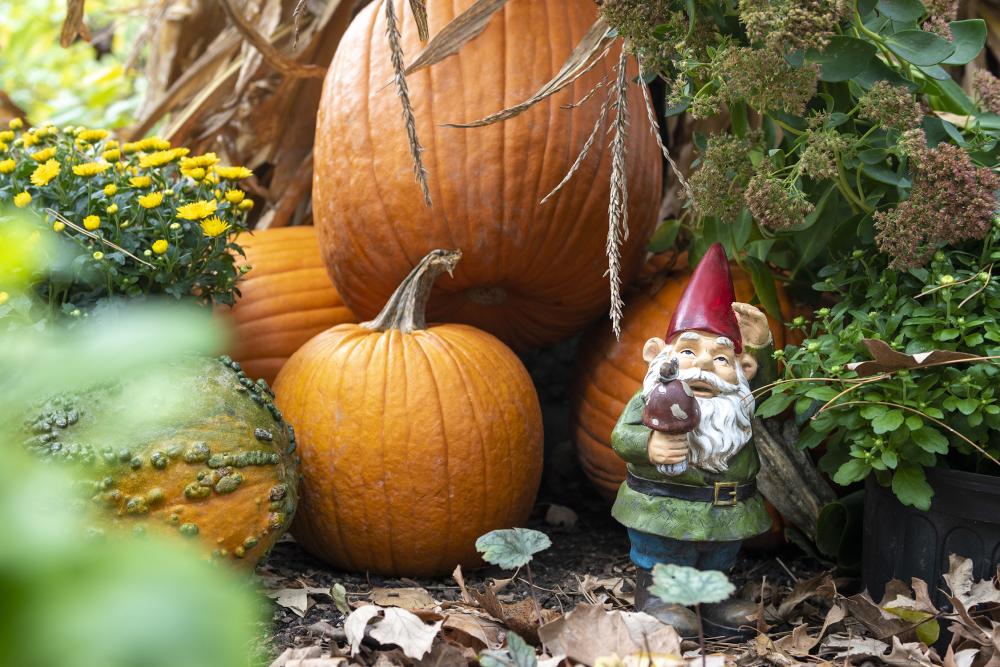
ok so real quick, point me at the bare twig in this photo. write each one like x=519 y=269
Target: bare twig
x=585 y=150
x=654 y=127
x=72 y=225
x=272 y=56
x=396 y=48
x=300 y=8
x=618 y=201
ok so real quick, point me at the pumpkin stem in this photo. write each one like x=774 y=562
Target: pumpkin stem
x=406 y=309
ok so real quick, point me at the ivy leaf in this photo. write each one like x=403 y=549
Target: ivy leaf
x=919 y=47
x=911 y=487
x=512 y=548
x=680 y=584
x=888 y=421
x=854 y=470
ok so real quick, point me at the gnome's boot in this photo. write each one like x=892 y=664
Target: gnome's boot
x=681 y=618
x=727 y=617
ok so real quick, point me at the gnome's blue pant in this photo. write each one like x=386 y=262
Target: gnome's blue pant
x=649 y=549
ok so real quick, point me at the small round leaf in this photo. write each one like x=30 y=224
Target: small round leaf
x=512 y=548
x=679 y=584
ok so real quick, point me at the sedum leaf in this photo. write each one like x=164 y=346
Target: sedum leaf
x=512 y=548
x=679 y=584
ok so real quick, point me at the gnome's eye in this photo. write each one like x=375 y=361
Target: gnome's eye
x=688 y=351
x=722 y=360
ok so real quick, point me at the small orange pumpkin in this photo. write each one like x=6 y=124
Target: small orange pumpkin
x=415 y=439
x=610 y=371
x=287 y=298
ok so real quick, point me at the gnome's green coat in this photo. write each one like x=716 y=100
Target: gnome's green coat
x=686 y=519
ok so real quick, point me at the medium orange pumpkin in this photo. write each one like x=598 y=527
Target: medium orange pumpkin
x=414 y=440
x=610 y=371
x=532 y=273
x=287 y=298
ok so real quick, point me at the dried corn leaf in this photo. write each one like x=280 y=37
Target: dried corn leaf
x=585 y=56
x=273 y=57
x=419 y=9
x=462 y=29
x=73 y=25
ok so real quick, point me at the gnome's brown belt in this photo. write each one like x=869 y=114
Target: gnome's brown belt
x=720 y=494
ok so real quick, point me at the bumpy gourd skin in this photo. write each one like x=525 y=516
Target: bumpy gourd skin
x=221 y=471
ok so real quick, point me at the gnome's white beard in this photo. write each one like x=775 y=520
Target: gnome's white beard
x=725 y=418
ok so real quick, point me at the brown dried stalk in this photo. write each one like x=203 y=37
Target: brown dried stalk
x=654 y=127
x=72 y=225
x=272 y=56
x=74 y=24
x=618 y=203
x=396 y=48
x=463 y=28
x=586 y=147
x=583 y=100
x=419 y=9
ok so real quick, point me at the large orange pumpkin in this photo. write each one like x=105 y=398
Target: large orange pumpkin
x=415 y=440
x=610 y=371
x=532 y=273
x=287 y=298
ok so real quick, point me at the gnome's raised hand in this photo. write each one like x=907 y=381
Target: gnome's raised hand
x=753 y=325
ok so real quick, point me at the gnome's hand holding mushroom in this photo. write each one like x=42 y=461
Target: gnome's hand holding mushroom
x=671 y=410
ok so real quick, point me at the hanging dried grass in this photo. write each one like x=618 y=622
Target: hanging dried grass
x=654 y=127
x=396 y=48
x=586 y=147
x=618 y=203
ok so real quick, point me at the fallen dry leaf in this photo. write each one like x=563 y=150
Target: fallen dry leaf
x=354 y=626
x=294 y=599
x=963 y=658
x=590 y=632
x=960 y=582
x=311 y=656
x=820 y=586
x=912 y=654
x=849 y=647
x=476 y=632
x=405 y=630
x=405 y=598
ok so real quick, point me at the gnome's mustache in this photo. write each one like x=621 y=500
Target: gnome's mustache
x=711 y=379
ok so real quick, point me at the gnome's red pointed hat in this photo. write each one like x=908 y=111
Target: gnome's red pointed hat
x=707 y=302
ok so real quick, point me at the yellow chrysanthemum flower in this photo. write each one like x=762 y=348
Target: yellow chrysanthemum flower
x=150 y=144
x=111 y=143
x=7 y=166
x=152 y=200
x=160 y=246
x=233 y=173
x=90 y=168
x=7 y=136
x=213 y=227
x=22 y=199
x=203 y=161
x=30 y=139
x=160 y=158
x=45 y=173
x=92 y=136
x=15 y=124
x=196 y=173
x=246 y=204
x=140 y=181
x=235 y=196
x=44 y=154
x=98 y=255
x=58 y=226
x=111 y=155
x=131 y=147
x=4 y=147
x=91 y=222
x=110 y=189
x=198 y=210
x=112 y=209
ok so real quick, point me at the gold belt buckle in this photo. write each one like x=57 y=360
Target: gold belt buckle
x=725 y=494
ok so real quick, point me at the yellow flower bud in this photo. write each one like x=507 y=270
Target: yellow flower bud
x=246 y=204
x=4 y=297
x=58 y=226
x=22 y=199
x=16 y=123
x=235 y=196
x=91 y=222
x=7 y=166
x=160 y=246
x=110 y=189
x=112 y=209
x=98 y=255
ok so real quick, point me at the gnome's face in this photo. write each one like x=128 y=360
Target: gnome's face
x=711 y=368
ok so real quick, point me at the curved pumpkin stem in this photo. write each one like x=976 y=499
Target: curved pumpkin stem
x=406 y=309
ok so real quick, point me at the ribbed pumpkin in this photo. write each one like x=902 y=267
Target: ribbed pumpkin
x=609 y=371
x=415 y=440
x=287 y=298
x=222 y=472
x=532 y=273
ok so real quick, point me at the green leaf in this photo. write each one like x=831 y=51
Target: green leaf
x=919 y=47
x=854 y=470
x=664 y=237
x=339 y=595
x=928 y=631
x=889 y=458
x=522 y=653
x=679 y=584
x=774 y=405
x=969 y=37
x=512 y=548
x=844 y=58
x=887 y=422
x=911 y=487
x=824 y=393
x=763 y=285
x=967 y=406
x=901 y=10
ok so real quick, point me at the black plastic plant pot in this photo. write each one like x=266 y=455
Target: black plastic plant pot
x=901 y=542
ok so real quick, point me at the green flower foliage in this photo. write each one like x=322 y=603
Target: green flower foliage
x=688 y=586
x=137 y=219
x=513 y=547
x=895 y=426
x=824 y=98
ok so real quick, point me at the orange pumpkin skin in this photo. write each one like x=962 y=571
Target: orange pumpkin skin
x=287 y=298
x=532 y=273
x=412 y=445
x=609 y=372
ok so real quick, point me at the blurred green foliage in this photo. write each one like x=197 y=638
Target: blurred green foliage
x=70 y=86
x=114 y=601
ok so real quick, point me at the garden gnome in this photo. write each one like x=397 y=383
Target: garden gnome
x=690 y=496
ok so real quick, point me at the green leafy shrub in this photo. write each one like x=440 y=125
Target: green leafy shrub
x=895 y=424
x=137 y=219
